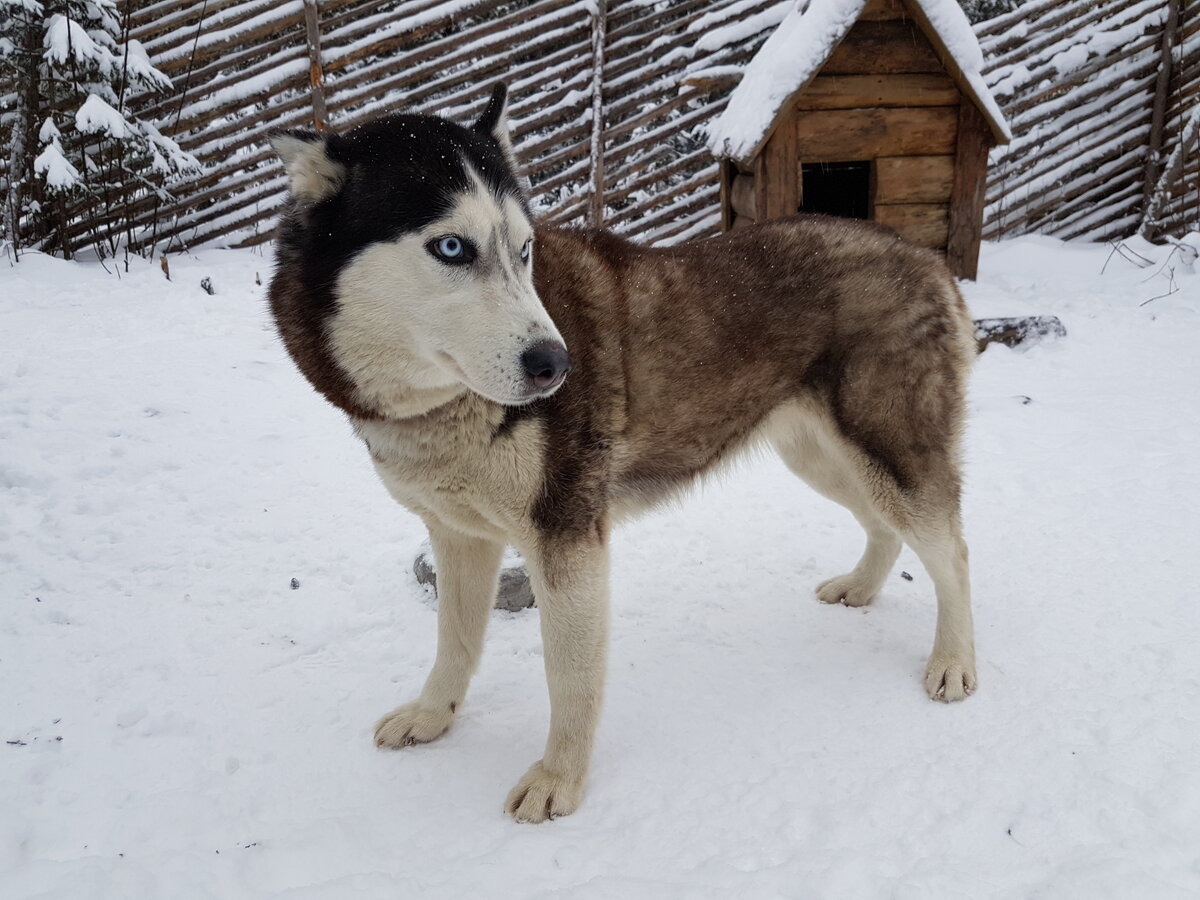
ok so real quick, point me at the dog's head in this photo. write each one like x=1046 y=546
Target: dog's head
x=416 y=247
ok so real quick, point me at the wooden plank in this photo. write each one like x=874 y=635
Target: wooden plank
x=883 y=48
x=968 y=194
x=741 y=222
x=914 y=179
x=776 y=184
x=924 y=224
x=882 y=10
x=860 y=134
x=856 y=91
x=741 y=196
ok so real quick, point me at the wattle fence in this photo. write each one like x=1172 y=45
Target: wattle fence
x=243 y=68
x=1099 y=94
x=610 y=99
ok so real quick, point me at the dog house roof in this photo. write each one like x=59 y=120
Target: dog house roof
x=791 y=57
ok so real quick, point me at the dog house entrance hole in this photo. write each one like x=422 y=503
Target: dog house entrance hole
x=837 y=189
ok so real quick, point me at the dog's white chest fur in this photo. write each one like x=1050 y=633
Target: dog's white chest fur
x=450 y=464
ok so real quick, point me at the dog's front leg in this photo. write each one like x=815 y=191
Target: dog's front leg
x=468 y=574
x=570 y=582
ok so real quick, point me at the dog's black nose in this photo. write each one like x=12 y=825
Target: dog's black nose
x=546 y=364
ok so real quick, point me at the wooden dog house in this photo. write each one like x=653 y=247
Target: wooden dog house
x=872 y=109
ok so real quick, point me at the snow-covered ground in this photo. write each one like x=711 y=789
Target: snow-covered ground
x=180 y=721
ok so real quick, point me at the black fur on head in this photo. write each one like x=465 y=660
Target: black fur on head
x=392 y=175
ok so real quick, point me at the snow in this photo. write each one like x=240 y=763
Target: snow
x=56 y=168
x=179 y=722
x=800 y=46
x=49 y=132
x=740 y=29
x=141 y=69
x=66 y=39
x=95 y=116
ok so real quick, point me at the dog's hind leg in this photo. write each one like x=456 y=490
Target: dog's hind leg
x=938 y=541
x=468 y=575
x=813 y=450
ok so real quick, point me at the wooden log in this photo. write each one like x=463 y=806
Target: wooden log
x=859 y=134
x=776 y=181
x=857 y=91
x=1015 y=331
x=711 y=82
x=883 y=48
x=599 y=17
x=914 y=179
x=1158 y=114
x=727 y=175
x=742 y=196
x=316 y=75
x=970 y=188
x=924 y=224
x=741 y=222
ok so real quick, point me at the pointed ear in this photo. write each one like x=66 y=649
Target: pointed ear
x=312 y=175
x=494 y=122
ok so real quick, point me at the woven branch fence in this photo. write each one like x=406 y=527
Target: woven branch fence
x=610 y=98
x=1099 y=94
x=244 y=68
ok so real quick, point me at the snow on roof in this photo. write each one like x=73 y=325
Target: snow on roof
x=799 y=47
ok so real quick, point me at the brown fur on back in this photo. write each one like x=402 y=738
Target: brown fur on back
x=681 y=354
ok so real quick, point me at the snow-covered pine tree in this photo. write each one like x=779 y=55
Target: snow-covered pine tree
x=77 y=156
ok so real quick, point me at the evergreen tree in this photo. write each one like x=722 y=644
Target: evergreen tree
x=78 y=157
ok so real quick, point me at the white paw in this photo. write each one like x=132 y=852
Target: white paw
x=412 y=724
x=542 y=795
x=950 y=678
x=849 y=589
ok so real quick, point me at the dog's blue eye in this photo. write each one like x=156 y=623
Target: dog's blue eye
x=452 y=249
x=526 y=249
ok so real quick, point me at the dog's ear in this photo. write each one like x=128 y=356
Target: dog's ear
x=312 y=175
x=494 y=123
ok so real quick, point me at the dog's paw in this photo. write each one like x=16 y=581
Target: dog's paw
x=412 y=724
x=848 y=589
x=949 y=678
x=542 y=795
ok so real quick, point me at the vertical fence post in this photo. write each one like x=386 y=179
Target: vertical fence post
x=599 y=27
x=316 y=74
x=1158 y=115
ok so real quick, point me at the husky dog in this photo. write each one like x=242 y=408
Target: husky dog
x=528 y=385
